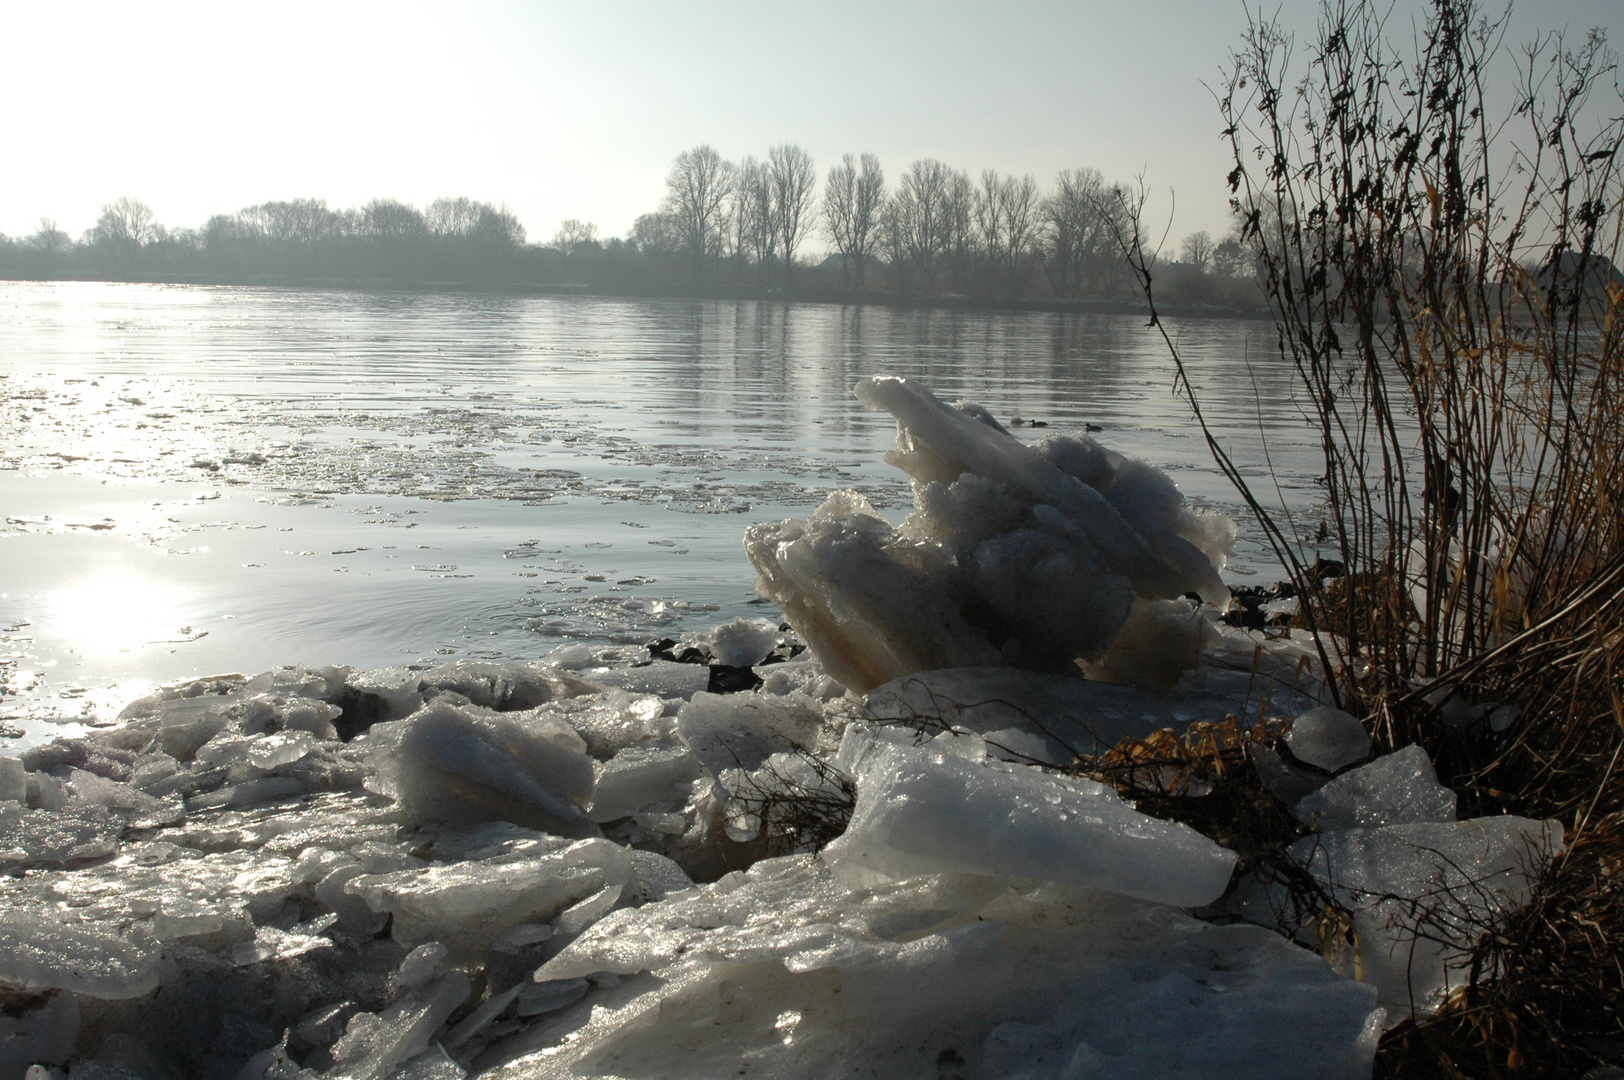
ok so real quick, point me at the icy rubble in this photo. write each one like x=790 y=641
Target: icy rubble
x=788 y=972
x=921 y=810
x=1033 y=557
x=1417 y=894
x=221 y=881
x=489 y=869
x=1397 y=789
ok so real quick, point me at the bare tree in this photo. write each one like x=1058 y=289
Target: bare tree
x=299 y=221
x=454 y=217
x=388 y=219
x=921 y=221
x=574 y=235
x=1007 y=227
x=125 y=223
x=755 y=239
x=852 y=206
x=1197 y=249
x=1083 y=218
x=794 y=188
x=656 y=234
x=49 y=238
x=958 y=238
x=696 y=193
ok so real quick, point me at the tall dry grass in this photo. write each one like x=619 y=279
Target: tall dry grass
x=1436 y=217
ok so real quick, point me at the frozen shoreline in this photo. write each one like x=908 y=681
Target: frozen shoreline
x=903 y=845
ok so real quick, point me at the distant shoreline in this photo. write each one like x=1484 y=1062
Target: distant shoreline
x=837 y=297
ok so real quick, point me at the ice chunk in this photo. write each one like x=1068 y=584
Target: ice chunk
x=89 y=789
x=39 y=837
x=582 y=914
x=373 y=1045
x=1327 y=738
x=39 y=952
x=421 y=964
x=920 y=811
x=13 y=780
x=1172 y=567
x=1007 y=558
x=639 y=776
x=465 y=905
x=1396 y=789
x=744 y=642
x=619 y=718
x=284 y=748
x=662 y=678
x=1418 y=896
x=432 y=1064
x=785 y=968
x=445 y=763
x=249 y=793
x=504 y=687
x=869 y=615
x=727 y=731
x=657 y=876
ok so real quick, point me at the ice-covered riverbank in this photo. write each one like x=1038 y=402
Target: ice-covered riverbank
x=883 y=855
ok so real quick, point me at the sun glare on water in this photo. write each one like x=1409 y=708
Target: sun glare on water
x=120 y=613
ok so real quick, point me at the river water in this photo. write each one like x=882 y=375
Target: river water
x=205 y=479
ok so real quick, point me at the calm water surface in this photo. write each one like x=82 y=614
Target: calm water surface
x=203 y=479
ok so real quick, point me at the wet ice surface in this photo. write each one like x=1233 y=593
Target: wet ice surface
x=222 y=887
x=254 y=475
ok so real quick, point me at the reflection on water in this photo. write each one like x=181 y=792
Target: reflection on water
x=117 y=614
x=378 y=477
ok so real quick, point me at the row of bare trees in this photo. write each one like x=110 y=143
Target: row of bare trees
x=936 y=230
x=746 y=225
x=452 y=238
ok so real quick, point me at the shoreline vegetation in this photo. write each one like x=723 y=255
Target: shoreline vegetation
x=722 y=230
x=1442 y=274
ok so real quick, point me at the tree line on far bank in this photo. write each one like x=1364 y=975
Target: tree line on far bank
x=745 y=228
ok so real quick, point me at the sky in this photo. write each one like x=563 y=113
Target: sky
x=575 y=110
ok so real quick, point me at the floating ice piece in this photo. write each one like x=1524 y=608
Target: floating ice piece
x=1328 y=738
x=744 y=642
x=1419 y=895
x=45 y=1033
x=445 y=763
x=740 y=731
x=921 y=811
x=639 y=776
x=466 y=905
x=1396 y=789
x=785 y=968
x=39 y=952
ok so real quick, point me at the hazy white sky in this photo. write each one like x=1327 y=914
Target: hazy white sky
x=576 y=109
